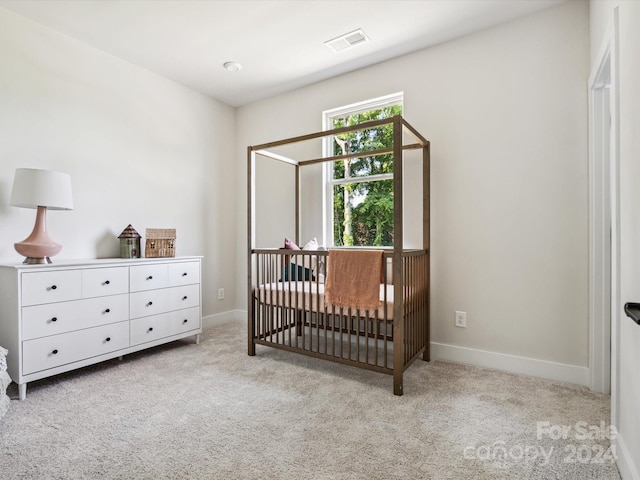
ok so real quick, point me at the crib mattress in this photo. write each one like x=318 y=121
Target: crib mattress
x=309 y=296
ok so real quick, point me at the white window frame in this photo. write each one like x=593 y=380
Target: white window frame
x=327 y=149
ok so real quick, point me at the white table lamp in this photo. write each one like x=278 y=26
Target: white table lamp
x=41 y=189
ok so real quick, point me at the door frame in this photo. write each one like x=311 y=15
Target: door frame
x=604 y=218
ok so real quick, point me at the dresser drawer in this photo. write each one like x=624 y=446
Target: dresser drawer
x=152 y=328
x=48 y=287
x=148 y=277
x=184 y=273
x=54 y=318
x=49 y=352
x=98 y=282
x=154 y=302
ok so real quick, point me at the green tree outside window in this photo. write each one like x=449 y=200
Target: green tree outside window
x=363 y=206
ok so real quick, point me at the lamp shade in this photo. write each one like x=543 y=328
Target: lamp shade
x=33 y=188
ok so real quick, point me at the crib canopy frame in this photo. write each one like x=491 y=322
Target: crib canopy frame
x=400 y=126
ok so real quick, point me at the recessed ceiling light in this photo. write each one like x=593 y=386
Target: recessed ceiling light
x=347 y=40
x=232 y=66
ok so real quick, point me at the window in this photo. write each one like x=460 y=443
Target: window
x=359 y=191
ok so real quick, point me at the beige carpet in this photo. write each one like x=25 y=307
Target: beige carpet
x=209 y=411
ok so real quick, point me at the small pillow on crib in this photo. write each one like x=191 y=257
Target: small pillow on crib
x=311 y=245
x=290 y=244
x=309 y=262
x=296 y=272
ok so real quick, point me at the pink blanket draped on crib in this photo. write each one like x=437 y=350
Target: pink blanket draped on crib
x=353 y=278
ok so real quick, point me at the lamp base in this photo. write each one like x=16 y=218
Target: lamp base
x=37 y=260
x=39 y=246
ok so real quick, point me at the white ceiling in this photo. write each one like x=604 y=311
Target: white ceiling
x=280 y=44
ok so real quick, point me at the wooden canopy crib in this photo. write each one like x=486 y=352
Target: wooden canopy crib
x=289 y=311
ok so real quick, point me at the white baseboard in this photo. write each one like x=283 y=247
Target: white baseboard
x=628 y=469
x=511 y=363
x=224 y=317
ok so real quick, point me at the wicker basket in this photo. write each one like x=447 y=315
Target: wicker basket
x=160 y=242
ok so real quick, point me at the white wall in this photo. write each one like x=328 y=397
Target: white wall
x=626 y=394
x=140 y=149
x=506 y=112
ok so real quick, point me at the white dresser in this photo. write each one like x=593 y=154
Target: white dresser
x=62 y=316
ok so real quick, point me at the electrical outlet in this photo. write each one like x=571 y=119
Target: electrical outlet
x=221 y=294
x=461 y=319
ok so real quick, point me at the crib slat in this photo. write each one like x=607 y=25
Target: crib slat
x=386 y=321
x=282 y=311
x=341 y=341
x=366 y=335
x=265 y=308
x=317 y=297
x=269 y=331
x=409 y=330
x=325 y=319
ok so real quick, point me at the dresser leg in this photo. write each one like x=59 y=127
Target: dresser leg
x=197 y=339
x=22 y=391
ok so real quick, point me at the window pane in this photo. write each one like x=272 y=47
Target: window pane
x=363 y=213
x=363 y=210
x=364 y=141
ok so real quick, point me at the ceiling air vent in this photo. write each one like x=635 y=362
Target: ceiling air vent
x=347 y=40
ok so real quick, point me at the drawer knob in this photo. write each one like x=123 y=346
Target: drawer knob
x=53 y=287
x=149 y=304
x=184 y=298
x=107 y=310
x=55 y=352
x=150 y=277
x=108 y=339
x=150 y=329
x=54 y=319
x=185 y=321
x=184 y=274
x=107 y=282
